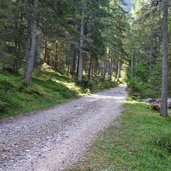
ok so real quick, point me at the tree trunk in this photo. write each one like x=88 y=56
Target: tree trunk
x=151 y=57
x=46 y=55
x=28 y=42
x=111 y=69
x=118 y=71
x=17 y=47
x=74 y=60
x=68 y=69
x=163 y=109
x=38 y=47
x=105 y=67
x=17 y=56
x=80 y=65
x=31 y=54
x=90 y=68
x=69 y=61
x=132 y=64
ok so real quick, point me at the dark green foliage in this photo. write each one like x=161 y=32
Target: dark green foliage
x=58 y=26
x=145 y=53
x=96 y=85
x=136 y=87
x=3 y=106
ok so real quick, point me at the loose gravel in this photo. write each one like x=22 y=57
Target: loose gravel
x=55 y=138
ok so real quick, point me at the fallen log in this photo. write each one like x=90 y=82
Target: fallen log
x=156 y=103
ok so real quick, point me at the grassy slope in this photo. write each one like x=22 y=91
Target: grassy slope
x=140 y=140
x=48 y=89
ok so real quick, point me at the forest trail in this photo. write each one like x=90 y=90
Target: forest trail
x=50 y=140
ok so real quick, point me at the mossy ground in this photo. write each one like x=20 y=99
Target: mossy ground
x=49 y=88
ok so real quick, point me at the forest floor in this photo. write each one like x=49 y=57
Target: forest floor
x=48 y=89
x=52 y=139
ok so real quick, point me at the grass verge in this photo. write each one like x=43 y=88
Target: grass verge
x=138 y=141
x=49 y=88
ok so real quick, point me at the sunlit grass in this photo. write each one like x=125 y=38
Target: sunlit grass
x=16 y=97
x=138 y=141
x=70 y=85
x=49 y=88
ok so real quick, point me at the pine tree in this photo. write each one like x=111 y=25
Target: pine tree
x=163 y=110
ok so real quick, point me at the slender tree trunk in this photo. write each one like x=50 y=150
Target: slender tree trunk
x=17 y=56
x=111 y=70
x=17 y=52
x=90 y=67
x=31 y=55
x=69 y=60
x=18 y=40
x=74 y=60
x=80 y=64
x=28 y=42
x=105 y=67
x=151 y=58
x=132 y=64
x=46 y=58
x=38 y=47
x=77 y=62
x=163 y=110
x=118 y=71
x=135 y=63
x=68 y=69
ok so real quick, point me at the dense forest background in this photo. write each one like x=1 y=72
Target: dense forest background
x=75 y=37
x=145 y=54
x=89 y=41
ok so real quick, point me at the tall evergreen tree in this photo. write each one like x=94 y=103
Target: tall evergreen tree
x=163 y=110
x=32 y=31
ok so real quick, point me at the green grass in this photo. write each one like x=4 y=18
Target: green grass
x=49 y=88
x=138 y=141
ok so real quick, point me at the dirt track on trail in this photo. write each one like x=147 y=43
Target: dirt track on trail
x=52 y=139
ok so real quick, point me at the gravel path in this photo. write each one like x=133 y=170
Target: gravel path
x=50 y=140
